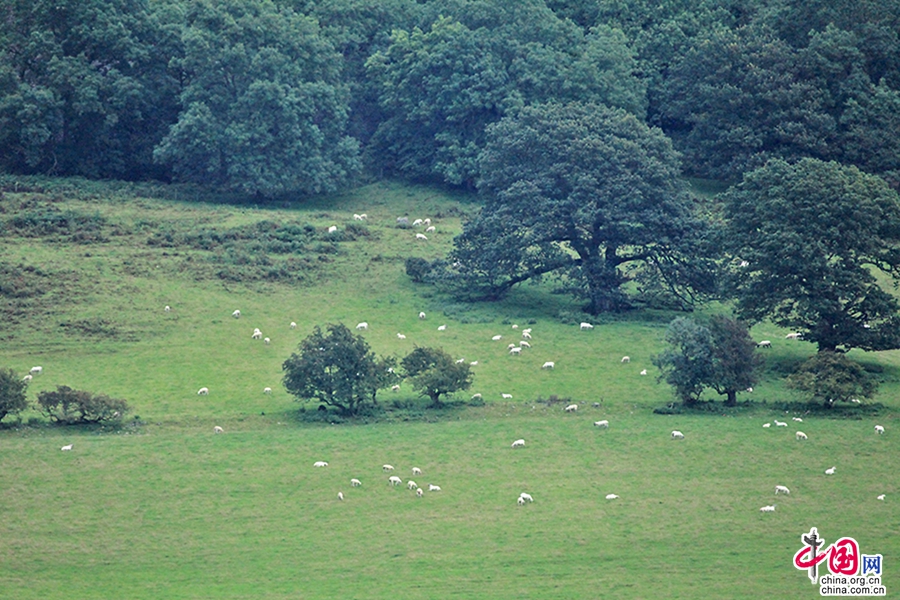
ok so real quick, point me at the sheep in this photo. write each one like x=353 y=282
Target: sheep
x=267 y=390
x=526 y=334
x=361 y=217
x=341 y=496
x=355 y=482
x=320 y=463
x=770 y=508
x=524 y=344
x=830 y=471
x=476 y=396
x=626 y=359
x=644 y=372
x=497 y=338
x=168 y=308
x=767 y=425
x=510 y=346
x=764 y=344
x=394 y=480
x=585 y=326
x=293 y=325
x=426 y=222
x=801 y=436
x=395 y=388
x=526 y=497
x=604 y=423
x=267 y=341
x=36 y=370
x=515 y=326
x=571 y=408
x=419 y=492
x=416 y=471
x=433 y=488
x=677 y=435
x=798 y=419
x=548 y=365
x=506 y=396
x=442 y=328
x=362 y=325
x=204 y=391
x=400 y=336
x=611 y=496
x=27 y=378
x=518 y=443
x=780 y=489
x=529 y=330
x=793 y=336
x=460 y=361
x=387 y=468
x=474 y=363
x=421 y=315
x=879 y=429
x=236 y=314
x=417 y=222
x=67 y=447
x=520 y=501
x=332 y=229
x=880 y=497
x=256 y=335
x=430 y=229
x=516 y=350
x=411 y=485
x=780 y=423
x=421 y=236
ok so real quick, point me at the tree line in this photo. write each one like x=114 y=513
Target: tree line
x=302 y=96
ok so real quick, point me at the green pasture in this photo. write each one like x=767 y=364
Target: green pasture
x=163 y=508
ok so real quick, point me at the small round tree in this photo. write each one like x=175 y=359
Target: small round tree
x=74 y=407
x=434 y=373
x=831 y=377
x=12 y=393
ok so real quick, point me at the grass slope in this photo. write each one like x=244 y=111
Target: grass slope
x=167 y=509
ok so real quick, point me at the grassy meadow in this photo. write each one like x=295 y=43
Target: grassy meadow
x=163 y=508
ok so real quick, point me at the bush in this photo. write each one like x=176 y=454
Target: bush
x=12 y=393
x=830 y=377
x=418 y=269
x=71 y=407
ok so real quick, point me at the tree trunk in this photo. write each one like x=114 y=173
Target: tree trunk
x=731 y=399
x=603 y=282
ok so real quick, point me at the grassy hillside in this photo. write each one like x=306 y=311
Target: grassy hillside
x=165 y=508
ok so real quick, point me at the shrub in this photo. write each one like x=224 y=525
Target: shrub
x=831 y=377
x=70 y=407
x=12 y=393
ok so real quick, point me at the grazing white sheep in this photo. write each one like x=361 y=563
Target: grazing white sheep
x=520 y=501
x=416 y=471
x=801 y=436
x=460 y=361
x=218 y=429
x=411 y=484
x=507 y=396
x=780 y=423
x=611 y=496
x=515 y=326
x=442 y=328
x=879 y=429
x=355 y=482
x=626 y=359
x=764 y=344
x=27 y=378
x=476 y=396
x=767 y=425
x=526 y=334
x=421 y=236
x=526 y=497
x=168 y=308
x=880 y=497
x=419 y=492
x=400 y=336
x=257 y=335
x=515 y=350
x=770 y=508
x=796 y=335
x=524 y=344
x=510 y=346
x=417 y=222
x=320 y=463
x=267 y=390
x=571 y=408
x=644 y=372
x=293 y=325
x=586 y=326
x=267 y=341
x=548 y=365
x=362 y=325
x=359 y=217
x=604 y=423
x=798 y=419
x=394 y=480
x=395 y=388
x=497 y=338
x=677 y=435
x=474 y=363
x=430 y=229
x=830 y=471
x=341 y=496
x=749 y=390
x=426 y=221
x=67 y=447
x=203 y=391
x=36 y=370
x=236 y=314
x=529 y=330
x=387 y=468
x=421 y=315
x=433 y=488
x=518 y=443
x=332 y=229
x=780 y=489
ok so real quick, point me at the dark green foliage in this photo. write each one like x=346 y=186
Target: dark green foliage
x=338 y=370
x=830 y=377
x=73 y=407
x=810 y=235
x=434 y=373
x=586 y=191
x=735 y=359
x=12 y=393
x=418 y=269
